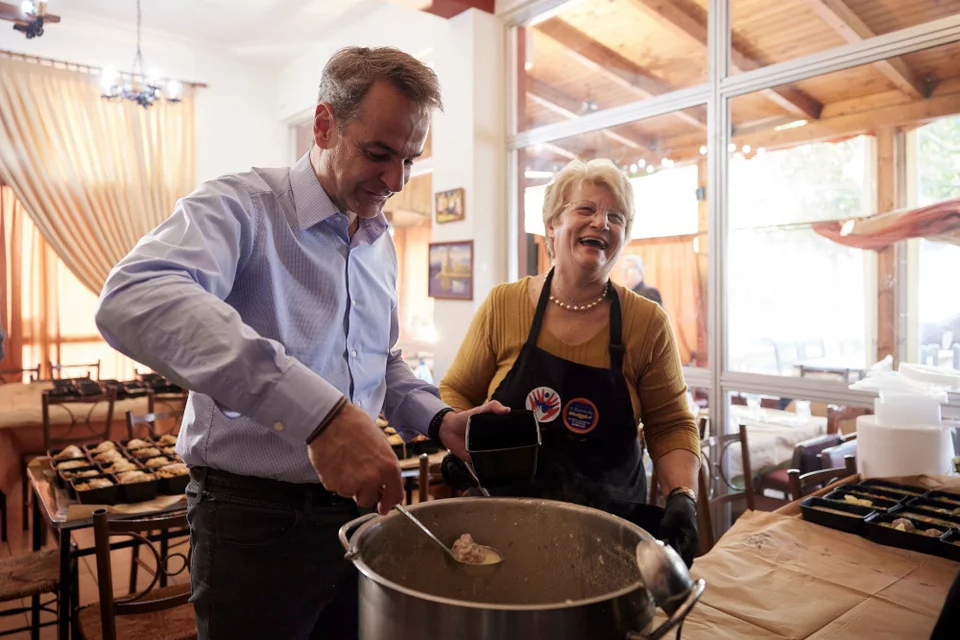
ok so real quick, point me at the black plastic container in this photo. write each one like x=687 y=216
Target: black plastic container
x=945 y=521
x=175 y=486
x=951 y=545
x=944 y=496
x=879 y=504
x=139 y=491
x=504 y=448
x=891 y=537
x=107 y=495
x=854 y=523
x=948 y=509
x=62 y=480
x=904 y=490
x=874 y=490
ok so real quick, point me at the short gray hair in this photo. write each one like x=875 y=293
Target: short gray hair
x=601 y=172
x=350 y=73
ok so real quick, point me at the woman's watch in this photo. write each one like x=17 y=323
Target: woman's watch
x=690 y=493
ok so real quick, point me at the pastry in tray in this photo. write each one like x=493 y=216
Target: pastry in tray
x=168 y=440
x=108 y=456
x=116 y=466
x=137 y=443
x=130 y=477
x=86 y=473
x=946 y=524
x=173 y=470
x=902 y=524
x=72 y=464
x=149 y=452
x=169 y=451
x=156 y=463
x=93 y=483
x=106 y=445
x=71 y=451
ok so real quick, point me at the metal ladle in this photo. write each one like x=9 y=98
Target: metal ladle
x=666 y=578
x=474 y=569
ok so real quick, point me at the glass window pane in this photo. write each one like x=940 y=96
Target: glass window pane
x=590 y=55
x=665 y=160
x=771 y=31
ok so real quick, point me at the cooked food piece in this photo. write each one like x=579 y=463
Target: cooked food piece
x=72 y=464
x=933 y=533
x=72 y=451
x=173 y=470
x=468 y=551
x=108 y=456
x=137 y=443
x=129 y=477
x=929 y=519
x=105 y=446
x=156 y=463
x=149 y=452
x=93 y=483
x=863 y=502
x=169 y=451
x=900 y=524
x=80 y=474
x=837 y=512
x=120 y=465
x=168 y=439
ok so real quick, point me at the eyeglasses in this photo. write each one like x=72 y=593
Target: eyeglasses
x=588 y=209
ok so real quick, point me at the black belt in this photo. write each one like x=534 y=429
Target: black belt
x=266 y=490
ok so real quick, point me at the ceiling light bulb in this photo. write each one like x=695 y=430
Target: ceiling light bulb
x=633 y=168
x=641 y=163
x=703 y=149
x=108 y=78
x=746 y=148
x=27 y=7
x=650 y=169
x=173 y=89
x=731 y=147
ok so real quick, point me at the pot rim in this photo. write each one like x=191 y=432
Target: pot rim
x=365 y=569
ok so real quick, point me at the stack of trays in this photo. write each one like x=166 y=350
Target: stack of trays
x=120 y=472
x=892 y=514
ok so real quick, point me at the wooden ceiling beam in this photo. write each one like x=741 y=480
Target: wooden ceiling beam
x=613 y=66
x=694 y=29
x=556 y=101
x=851 y=28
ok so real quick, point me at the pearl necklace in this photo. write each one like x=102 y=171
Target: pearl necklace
x=581 y=307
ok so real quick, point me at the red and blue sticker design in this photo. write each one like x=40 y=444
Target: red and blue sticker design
x=545 y=403
x=580 y=415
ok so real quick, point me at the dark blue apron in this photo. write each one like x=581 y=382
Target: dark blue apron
x=591 y=453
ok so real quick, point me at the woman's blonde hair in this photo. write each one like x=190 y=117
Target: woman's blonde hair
x=601 y=172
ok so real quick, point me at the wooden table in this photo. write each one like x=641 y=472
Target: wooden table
x=773 y=575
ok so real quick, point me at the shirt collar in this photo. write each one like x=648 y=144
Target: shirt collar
x=313 y=205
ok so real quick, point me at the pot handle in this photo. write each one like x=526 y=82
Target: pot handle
x=347 y=530
x=676 y=618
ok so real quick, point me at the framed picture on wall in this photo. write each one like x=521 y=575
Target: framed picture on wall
x=451 y=270
x=449 y=205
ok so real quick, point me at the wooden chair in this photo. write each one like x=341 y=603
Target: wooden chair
x=32 y=374
x=816 y=479
x=77 y=432
x=430 y=476
x=30 y=576
x=838 y=415
x=161 y=613
x=91 y=370
x=155 y=424
x=173 y=402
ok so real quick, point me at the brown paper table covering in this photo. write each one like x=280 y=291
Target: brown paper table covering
x=773 y=575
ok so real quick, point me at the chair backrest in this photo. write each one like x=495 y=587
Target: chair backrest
x=806 y=454
x=799 y=482
x=16 y=375
x=837 y=415
x=155 y=424
x=103 y=529
x=836 y=456
x=91 y=370
x=78 y=431
x=175 y=402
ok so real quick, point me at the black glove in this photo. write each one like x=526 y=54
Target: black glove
x=456 y=474
x=679 y=526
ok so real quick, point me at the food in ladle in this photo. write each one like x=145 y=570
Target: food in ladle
x=469 y=551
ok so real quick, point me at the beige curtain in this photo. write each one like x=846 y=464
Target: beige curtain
x=94 y=176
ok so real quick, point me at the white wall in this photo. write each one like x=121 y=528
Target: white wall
x=236 y=121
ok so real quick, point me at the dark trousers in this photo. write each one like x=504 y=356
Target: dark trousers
x=266 y=560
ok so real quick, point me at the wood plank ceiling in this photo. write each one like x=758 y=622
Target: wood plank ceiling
x=596 y=54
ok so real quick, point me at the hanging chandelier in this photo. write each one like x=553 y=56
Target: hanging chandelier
x=138 y=86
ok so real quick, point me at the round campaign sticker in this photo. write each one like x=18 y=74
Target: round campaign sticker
x=544 y=402
x=581 y=415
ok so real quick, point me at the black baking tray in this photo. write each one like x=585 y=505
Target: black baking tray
x=139 y=491
x=854 y=523
x=62 y=482
x=932 y=504
x=943 y=495
x=876 y=491
x=879 y=504
x=107 y=495
x=951 y=542
x=946 y=521
x=174 y=486
x=890 y=537
x=903 y=489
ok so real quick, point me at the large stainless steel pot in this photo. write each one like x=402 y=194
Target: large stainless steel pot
x=569 y=572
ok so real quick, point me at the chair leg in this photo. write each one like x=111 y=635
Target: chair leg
x=25 y=492
x=35 y=618
x=134 y=561
x=3 y=517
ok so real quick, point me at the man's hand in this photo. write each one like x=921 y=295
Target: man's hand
x=453 y=429
x=354 y=460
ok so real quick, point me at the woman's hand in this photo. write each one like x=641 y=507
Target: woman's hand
x=453 y=429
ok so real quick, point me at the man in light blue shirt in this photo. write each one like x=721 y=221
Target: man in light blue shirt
x=271 y=295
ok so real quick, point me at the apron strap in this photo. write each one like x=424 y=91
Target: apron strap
x=541 y=309
x=617 y=348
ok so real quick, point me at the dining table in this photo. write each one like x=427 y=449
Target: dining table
x=772 y=435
